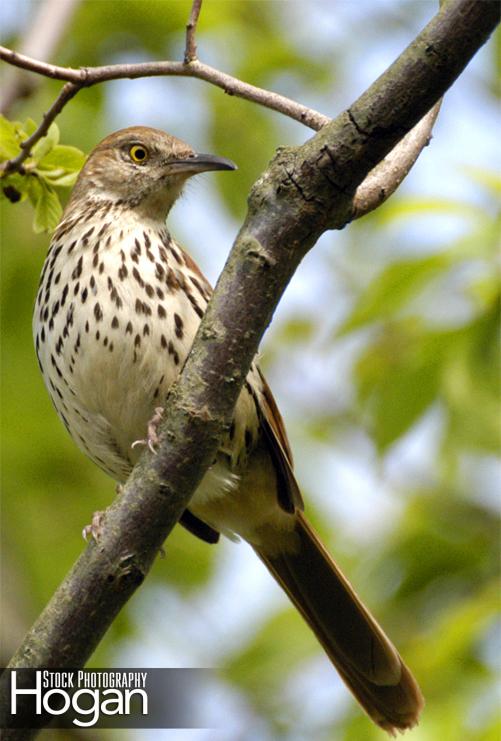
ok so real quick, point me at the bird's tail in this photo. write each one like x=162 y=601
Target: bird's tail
x=364 y=657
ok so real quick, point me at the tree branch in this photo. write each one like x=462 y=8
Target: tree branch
x=379 y=186
x=385 y=178
x=68 y=91
x=304 y=191
x=89 y=76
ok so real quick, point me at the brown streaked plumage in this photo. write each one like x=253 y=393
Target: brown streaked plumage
x=117 y=309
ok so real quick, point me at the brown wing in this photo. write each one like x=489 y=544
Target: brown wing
x=274 y=418
x=191 y=264
x=272 y=425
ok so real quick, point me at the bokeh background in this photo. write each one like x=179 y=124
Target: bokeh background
x=383 y=357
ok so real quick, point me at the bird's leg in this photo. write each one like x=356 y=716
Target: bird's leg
x=95 y=529
x=151 y=439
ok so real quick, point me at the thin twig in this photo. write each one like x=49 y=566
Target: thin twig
x=190 y=52
x=88 y=76
x=379 y=185
x=68 y=91
x=42 y=68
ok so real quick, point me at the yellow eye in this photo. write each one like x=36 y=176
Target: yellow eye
x=138 y=153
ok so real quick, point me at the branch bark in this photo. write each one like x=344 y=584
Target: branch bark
x=304 y=191
x=385 y=178
x=89 y=76
x=68 y=91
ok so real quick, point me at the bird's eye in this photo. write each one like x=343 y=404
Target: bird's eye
x=138 y=153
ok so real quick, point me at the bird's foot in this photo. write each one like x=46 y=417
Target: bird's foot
x=95 y=529
x=151 y=439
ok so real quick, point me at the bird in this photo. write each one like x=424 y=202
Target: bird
x=117 y=309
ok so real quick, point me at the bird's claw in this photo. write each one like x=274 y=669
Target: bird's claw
x=95 y=529
x=151 y=439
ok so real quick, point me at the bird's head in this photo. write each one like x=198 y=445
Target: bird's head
x=143 y=168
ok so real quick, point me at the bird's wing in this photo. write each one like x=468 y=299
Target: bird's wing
x=272 y=425
x=271 y=422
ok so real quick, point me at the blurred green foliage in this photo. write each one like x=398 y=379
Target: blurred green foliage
x=430 y=573
x=410 y=363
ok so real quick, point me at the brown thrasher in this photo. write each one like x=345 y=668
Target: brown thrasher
x=116 y=313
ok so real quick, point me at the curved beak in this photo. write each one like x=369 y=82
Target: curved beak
x=201 y=163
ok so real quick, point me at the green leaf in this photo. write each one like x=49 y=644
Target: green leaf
x=46 y=144
x=392 y=288
x=60 y=166
x=471 y=385
x=297 y=329
x=62 y=181
x=406 y=368
x=251 y=146
x=490 y=180
x=459 y=628
x=405 y=208
x=281 y=644
x=9 y=142
x=48 y=209
x=481 y=242
x=29 y=127
x=33 y=188
x=63 y=157
x=398 y=377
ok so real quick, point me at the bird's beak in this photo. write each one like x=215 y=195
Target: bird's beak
x=200 y=163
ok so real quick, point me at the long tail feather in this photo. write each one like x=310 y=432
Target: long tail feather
x=365 y=658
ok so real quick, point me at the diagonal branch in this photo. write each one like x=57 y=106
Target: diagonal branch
x=304 y=191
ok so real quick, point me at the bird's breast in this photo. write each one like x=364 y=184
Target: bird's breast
x=116 y=313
